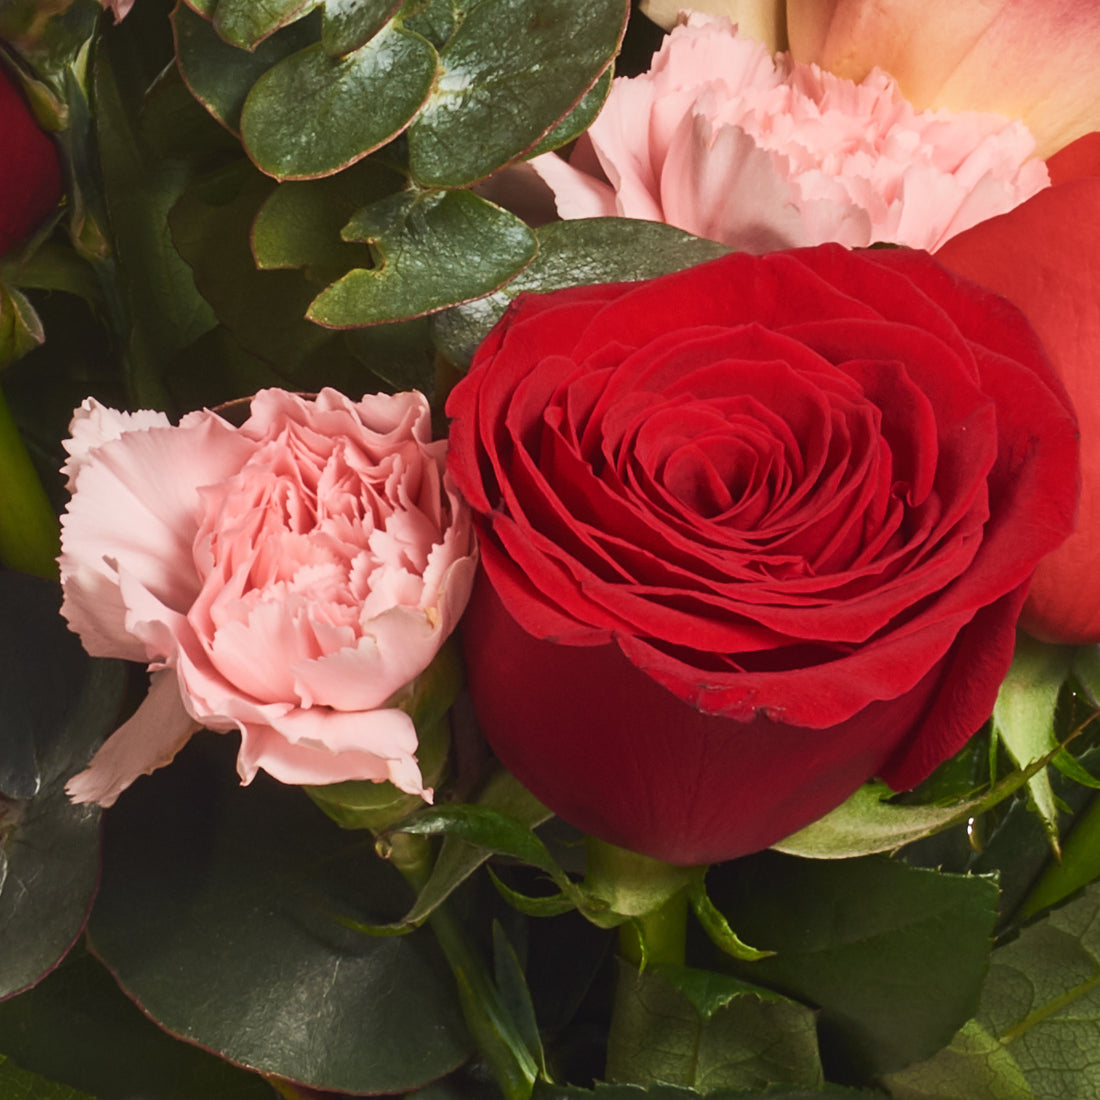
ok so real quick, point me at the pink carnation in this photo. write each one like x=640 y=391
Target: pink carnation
x=727 y=143
x=285 y=578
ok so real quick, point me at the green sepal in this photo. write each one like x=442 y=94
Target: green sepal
x=1023 y=717
x=552 y=905
x=717 y=927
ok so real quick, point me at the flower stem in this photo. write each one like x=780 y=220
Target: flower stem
x=29 y=535
x=488 y=1020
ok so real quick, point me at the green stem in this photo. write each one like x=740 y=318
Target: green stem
x=657 y=937
x=485 y=1015
x=29 y=534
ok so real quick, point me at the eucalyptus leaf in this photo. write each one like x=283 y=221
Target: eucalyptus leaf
x=219 y=913
x=312 y=115
x=219 y=75
x=973 y=1064
x=511 y=72
x=58 y=705
x=350 y=24
x=604 y=1091
x=707 y=1031
x=435 y=249
x=576 y=253
x=1042 y=999
x=579 y=119
x=76 y=1027
x=246 y=23
x=893 y=956
x=299 y=224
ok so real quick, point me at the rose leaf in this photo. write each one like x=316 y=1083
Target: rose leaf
x=709 y=1031
x=510 y=73
x=312 y=115
x=434 y=249
x=1041 y=1000
x=972 y=1064
x=220 y=75
x=893 y=956
x=58 y=705
x=222 y=914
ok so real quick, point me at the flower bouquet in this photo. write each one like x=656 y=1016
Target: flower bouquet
x=549 y=550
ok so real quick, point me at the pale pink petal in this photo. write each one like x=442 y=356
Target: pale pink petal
x=135 y=511
x=94 y=424
x=725 y=142
x=576 y=194
x=150 y=739
x=322 y=746
x=1028 y=59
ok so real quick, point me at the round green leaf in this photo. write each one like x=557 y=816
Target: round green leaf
x=300 y=223
x=579 y=119
x=511 y=72
x=57 y=706
x=313 y=114
x=245 y=23
x=219 y=75
x=434 y=248
x=349 y=24
x=575 y=253
x=226 y=912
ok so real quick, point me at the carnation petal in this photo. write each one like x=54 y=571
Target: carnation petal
x=158 y=729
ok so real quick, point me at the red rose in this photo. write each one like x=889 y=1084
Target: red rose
x=1044 y=256
x=30 y=175
x=752 y=533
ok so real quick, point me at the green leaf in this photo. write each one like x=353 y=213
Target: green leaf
x=1023 y=716
x=973 y=1064
x=515 y=996
x=20 y=329
x=603 y=1091
x=219 y=914
x=245 y=23
x=893 y=956
x=164 y=311
x=575 y=253
x=16 y=1083
x=350 y=24
x=312 y=115
x=707 y=1031
x=58 y=705
x=510 y=73
x=1042 y=1000
x=1086 y=667
x=550 y=905
x=579 y=119
x=1079 y=865
x=219 y=75
x=435 y=249
x=299 y=224
x=78 y=1028
x=459 y=858
x=265 y=310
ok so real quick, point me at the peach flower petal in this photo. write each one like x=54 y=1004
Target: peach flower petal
x=1028 y=59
